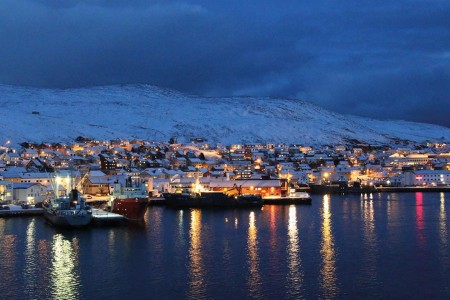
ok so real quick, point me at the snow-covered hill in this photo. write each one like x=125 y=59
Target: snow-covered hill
x=147 y=112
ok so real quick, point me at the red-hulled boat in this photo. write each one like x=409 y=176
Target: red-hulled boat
x=132 y=208
x=130 y=200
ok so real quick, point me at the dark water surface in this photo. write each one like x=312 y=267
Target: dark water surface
x=393 y=246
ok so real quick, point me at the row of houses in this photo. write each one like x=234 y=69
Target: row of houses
x=163 y=166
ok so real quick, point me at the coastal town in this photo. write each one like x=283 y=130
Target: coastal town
x=27 y=172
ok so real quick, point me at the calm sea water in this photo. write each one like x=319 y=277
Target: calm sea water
x=392 y=246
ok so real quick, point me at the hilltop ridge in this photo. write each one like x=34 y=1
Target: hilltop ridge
x=148 y=112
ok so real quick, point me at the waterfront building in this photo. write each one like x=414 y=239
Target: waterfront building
x=427 y=177
x=6 y=191
x=271 y=187
x=29 y=193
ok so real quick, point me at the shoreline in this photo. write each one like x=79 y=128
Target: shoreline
x=410 y=189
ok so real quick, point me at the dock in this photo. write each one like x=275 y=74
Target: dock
x=12 y=210
x=156 y=201
x=287 y=200
x=102 y=217
x=413 y=189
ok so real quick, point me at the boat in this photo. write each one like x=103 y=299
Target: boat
x=69 y=211
x=341 y=188
x=129 y=200
x=291 y=198
x=211 y=199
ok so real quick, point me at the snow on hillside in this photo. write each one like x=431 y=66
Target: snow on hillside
x=147 y=112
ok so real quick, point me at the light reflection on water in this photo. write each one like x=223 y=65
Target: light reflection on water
x=443 y=222
x=443 y=237
x=111 y=242
x=254 y=278
x=197 y=286
x=384 y=246
x=295 y=275
x=420 y=220
x=370 y=241
x=181 y=233
x=65 y=277
x=31 y=270
x=328 y=273
x=8 y=275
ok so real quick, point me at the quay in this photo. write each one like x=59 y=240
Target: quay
x=102 y=217
x=292 y=198
x=286 y=200
x=99 y=217
x=12 y=210
x=412 y=189
x=339 y=189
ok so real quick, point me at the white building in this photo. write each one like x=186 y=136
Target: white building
x=427 y=177
x=6 y=191
x=30 y=193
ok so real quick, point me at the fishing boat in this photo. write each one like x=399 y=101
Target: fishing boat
x=211 y=199
x=198 y=198
x=68 y=211
x=129 y=200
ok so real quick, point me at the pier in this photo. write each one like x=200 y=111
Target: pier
x=102 y=217
x=12 y=210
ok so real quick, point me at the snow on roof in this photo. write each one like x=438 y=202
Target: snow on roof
x=24 y=185
x=246 y=183
x=432 y=172
x=36 y=175
x=16 y=170
x=99 y=180
x=96 y=173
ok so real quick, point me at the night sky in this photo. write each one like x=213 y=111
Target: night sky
x=382 y=59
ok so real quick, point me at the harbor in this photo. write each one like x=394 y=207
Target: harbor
x=99 y=217
x=340 y=246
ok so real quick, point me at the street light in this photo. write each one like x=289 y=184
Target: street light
x=325 y=177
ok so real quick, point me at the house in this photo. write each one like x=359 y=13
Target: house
x=237 y=157
x=36 y=177
x=11 y=158
x=6 y=191
x=106 y=162
x=160 y=186
x=186 y=184
x=179 y=162
x=30 y=193
x=30 y=153
x=427 y=177
x=264 y=188
x=196 y=163
x=35 y=165
x=96 y=186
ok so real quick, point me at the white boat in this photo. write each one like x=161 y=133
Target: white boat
x=70 y=211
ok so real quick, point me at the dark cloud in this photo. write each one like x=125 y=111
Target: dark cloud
x=382 y=59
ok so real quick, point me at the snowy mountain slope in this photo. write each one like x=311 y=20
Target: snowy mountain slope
x=147 y=112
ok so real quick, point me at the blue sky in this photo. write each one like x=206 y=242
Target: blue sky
x=382 y=59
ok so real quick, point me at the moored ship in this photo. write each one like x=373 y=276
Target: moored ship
x=69 y=211
x=211 y=199
x=130 y=200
